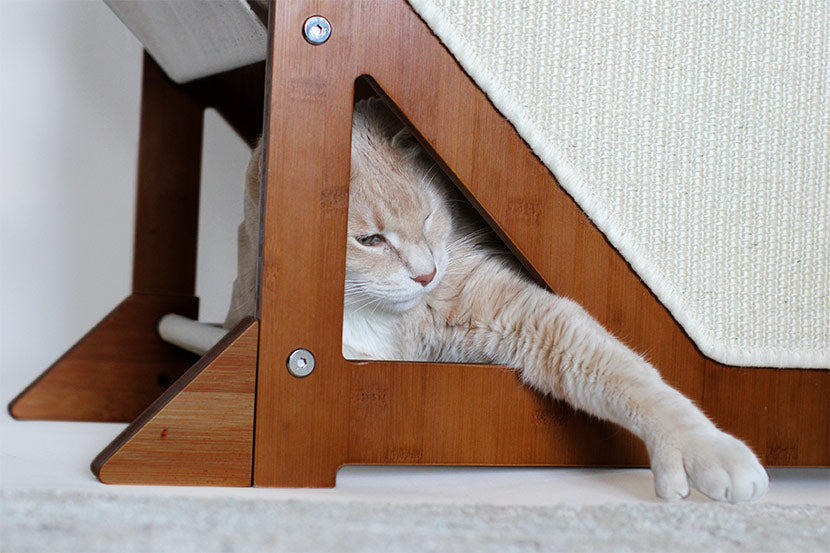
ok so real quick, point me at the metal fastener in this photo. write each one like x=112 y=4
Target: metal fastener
x=316 y=29
x=300 y=363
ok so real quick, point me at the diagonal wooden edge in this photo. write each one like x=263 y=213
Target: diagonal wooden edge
x=200 y=431
x=115 y=370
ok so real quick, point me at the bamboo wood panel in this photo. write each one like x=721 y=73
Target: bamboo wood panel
x=115 y=371
x=783 y=413
x=200 y=431
x=167 y=204
x=430 y=413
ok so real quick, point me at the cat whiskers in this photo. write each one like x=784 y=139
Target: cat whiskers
x=468 y=238
x=429 y=177
x=362 y=302
x=466 y=247
x=356 y=295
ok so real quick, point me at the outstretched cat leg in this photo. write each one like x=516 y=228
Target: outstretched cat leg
x=560 y=350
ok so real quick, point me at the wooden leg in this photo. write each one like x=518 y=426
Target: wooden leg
x=427 y=413
x=200 y=431
x=116 y=370
x=167 y=206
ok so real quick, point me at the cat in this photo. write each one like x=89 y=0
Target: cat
x=427 y=281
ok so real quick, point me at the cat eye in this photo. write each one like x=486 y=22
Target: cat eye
x=371 y=240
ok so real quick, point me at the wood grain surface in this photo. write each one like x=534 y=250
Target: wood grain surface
x=115 y=371
x=167 y=203
x=200 y=431
x=428 y=413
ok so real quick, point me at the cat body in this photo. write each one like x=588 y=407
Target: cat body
x=425 y=281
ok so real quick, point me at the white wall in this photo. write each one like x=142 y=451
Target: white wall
x=69 y=105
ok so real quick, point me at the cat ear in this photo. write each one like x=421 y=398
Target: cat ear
x=373 y=113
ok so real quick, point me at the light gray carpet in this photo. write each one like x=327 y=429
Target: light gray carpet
x=57 y=522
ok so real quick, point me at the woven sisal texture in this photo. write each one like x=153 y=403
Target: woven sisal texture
x=695 y=136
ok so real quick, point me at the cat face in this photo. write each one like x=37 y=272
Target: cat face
x=399 y=224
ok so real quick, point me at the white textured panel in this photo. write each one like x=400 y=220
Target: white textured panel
x=195 y=38
x=694 y=134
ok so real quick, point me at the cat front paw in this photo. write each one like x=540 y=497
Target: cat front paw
x=720 y=466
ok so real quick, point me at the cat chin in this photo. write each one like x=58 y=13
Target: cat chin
x=404 y=306
x=401 y=306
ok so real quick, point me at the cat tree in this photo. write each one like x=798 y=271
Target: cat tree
x=240 y=416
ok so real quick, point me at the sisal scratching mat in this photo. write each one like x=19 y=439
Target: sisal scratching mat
x=695 y=136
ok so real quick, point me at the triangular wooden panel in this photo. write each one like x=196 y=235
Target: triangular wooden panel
x=199 y=432
x=429 y=413
x=386 y=412
x=116 y=370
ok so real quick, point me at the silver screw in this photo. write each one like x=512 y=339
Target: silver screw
x=316 y=29
x=300 y=363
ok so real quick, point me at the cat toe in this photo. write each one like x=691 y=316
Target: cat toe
x=726 y=470
x=671 y=492
x=670 y=481
x=736 y=486
x=757 y=483
x=744 y=487
x=749 y=479
x=714 y=483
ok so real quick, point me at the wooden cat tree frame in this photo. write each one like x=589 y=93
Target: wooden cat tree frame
x=238 y=417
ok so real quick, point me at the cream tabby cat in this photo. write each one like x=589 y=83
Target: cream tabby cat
x=424 y=282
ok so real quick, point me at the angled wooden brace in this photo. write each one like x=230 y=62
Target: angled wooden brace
x=347 y=412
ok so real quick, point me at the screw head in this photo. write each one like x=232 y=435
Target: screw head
x=316 y=29
x=300 y=363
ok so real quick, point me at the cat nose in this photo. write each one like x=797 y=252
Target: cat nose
x=423 y=280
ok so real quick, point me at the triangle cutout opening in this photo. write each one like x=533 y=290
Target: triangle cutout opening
x=416 y=238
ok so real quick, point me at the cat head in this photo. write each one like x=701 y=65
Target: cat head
x=399 y=222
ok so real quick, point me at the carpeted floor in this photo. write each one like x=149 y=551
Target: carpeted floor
x=44 y=520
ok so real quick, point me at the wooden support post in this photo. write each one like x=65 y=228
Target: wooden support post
x=238 y=96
